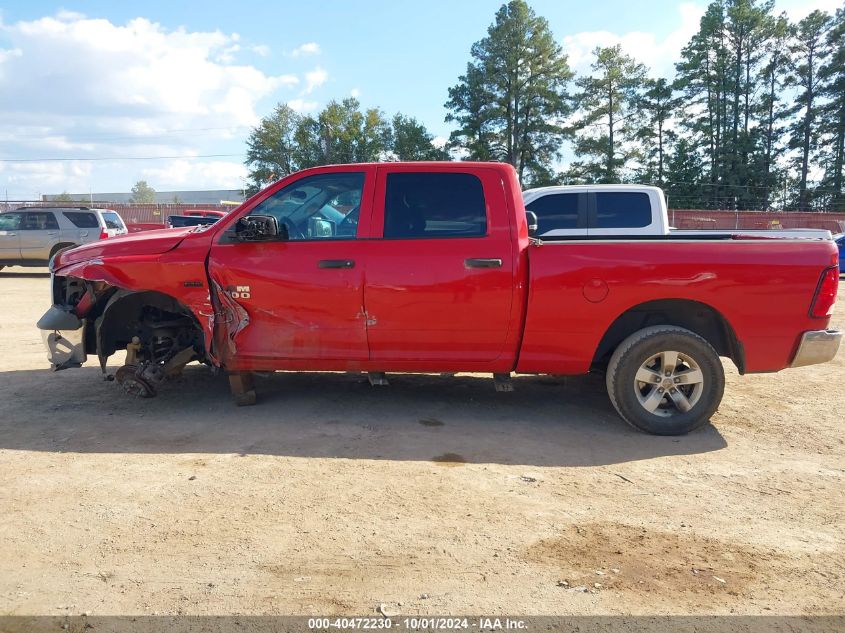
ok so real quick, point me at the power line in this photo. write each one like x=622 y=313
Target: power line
x=115 y=158
x=108 y=136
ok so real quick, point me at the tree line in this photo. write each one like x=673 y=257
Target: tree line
x=753 y=118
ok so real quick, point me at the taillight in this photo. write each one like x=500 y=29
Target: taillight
x=103 y=234
x=825 y=297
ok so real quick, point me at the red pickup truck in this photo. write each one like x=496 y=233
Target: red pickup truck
x=430 y=267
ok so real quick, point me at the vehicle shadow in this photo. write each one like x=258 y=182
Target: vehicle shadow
x=546 y=421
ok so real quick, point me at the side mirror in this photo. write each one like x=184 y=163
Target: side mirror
x=259 y=228
x=532 y=222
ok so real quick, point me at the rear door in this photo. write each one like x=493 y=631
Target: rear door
x=615 y=213
x=440 y=271
x=83 y=227
x=39 y=232
x=10 y=249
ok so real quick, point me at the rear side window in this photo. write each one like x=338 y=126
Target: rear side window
x=82 y=219
x=39 y=221
x=432 y=205
x=557 y=211
x=621 y=210
x=113 y=220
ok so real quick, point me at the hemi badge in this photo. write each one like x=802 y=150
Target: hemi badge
x=192 y=284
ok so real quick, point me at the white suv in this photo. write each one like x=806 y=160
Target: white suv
x=30 y=236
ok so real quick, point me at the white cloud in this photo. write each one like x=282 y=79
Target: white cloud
x=302 y=106
x=83 y=87
x=315 y=79
x=184 y=174
x=261 y=49
x=30 y=180
x=659 y=54
x=309 y=48
x=355 y=92
x=799 y=9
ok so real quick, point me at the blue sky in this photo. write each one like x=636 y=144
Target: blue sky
x=105 y=79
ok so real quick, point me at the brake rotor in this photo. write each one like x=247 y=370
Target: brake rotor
x=133 y=384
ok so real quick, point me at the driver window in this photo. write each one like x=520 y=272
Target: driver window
x=319 y=207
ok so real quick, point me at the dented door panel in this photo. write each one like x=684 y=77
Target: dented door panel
x=277 y=302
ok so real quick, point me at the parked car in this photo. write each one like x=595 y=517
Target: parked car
x=840 y=243
x=30 y=236
x=430 y=267
x=179 y=221
x=205 y=213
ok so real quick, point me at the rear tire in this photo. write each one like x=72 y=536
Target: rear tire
x=665 y=380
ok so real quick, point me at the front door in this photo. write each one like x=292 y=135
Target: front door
x=10 y=248
x=440 y=269
x=303 y=296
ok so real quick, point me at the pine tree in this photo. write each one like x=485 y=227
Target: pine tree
x=411 y=141
x=808 y=51
x=772 y=110
x=832 y=75
x=657 y=106
x=512 y=100
x=702 y=78
x=684 y=172
x=606 y=104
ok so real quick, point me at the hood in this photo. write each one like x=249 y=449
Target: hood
x=143 y=243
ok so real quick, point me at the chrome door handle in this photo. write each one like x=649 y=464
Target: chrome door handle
x=336 y=263
x=483 y=263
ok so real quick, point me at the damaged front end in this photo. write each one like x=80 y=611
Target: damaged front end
x=63 y=327
x=159 y=334
x=63 y=333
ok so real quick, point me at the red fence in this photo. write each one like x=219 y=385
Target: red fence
x=730 y=220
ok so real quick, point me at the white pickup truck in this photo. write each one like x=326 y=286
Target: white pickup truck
x=623 y=211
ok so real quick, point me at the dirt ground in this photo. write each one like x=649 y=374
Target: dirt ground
x=430 y=496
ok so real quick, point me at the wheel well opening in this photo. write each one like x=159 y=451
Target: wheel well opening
x=695 y=316
x=145 y=315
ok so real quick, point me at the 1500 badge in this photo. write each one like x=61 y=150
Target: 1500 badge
x=238 y=292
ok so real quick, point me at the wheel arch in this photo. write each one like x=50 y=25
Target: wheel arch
x=123 y=309
x=692 y=315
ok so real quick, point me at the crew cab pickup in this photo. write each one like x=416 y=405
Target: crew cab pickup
x=430 y=267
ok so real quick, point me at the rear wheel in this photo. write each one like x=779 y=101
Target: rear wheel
x=665 y=380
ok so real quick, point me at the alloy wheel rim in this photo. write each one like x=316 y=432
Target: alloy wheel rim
x=669 y=383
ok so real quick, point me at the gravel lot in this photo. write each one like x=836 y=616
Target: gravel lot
x=431 y=496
